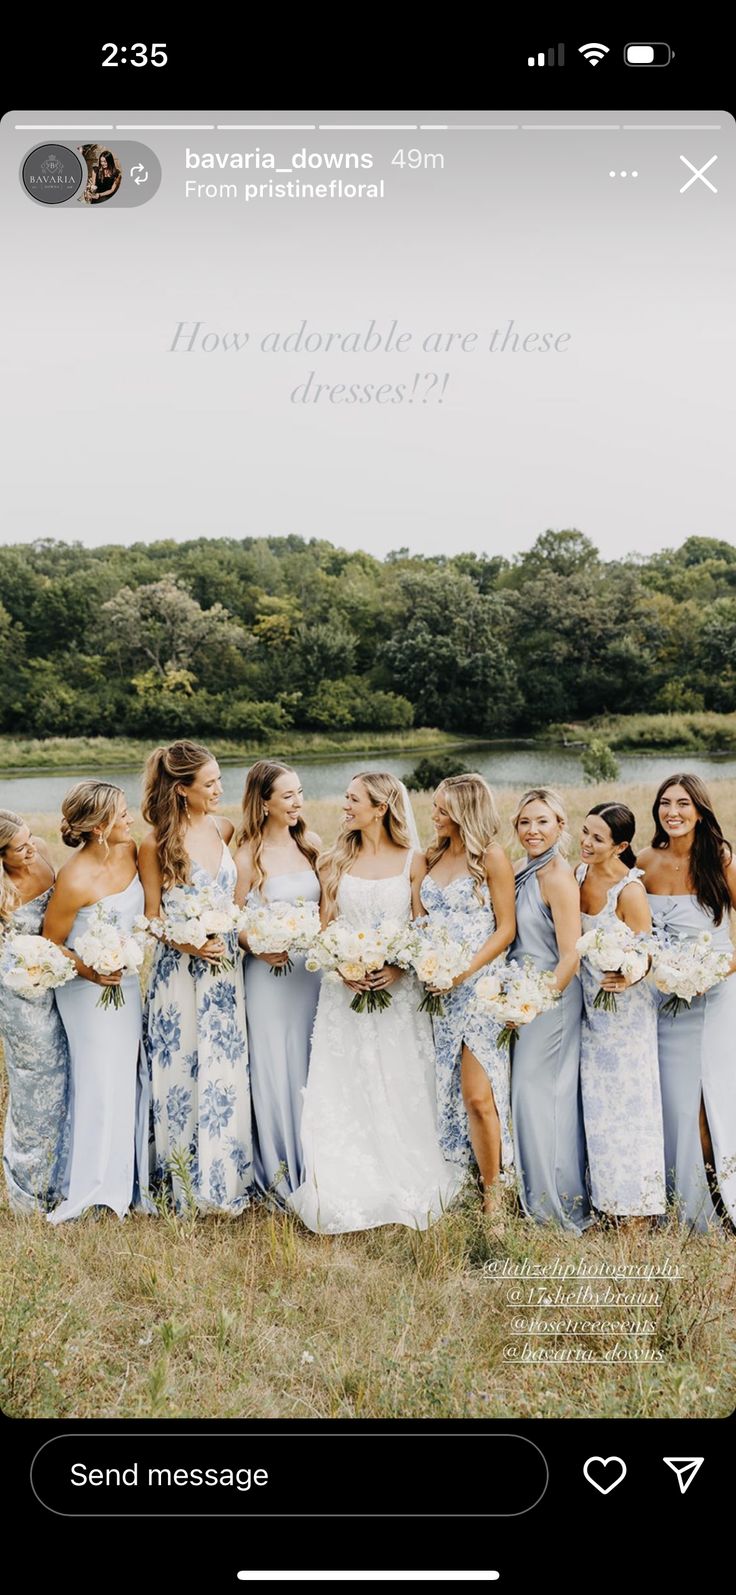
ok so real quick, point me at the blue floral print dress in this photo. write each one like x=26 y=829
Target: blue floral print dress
x=195 y=1038
x=456 y=908
x=619 y=1077
x=36 y=1138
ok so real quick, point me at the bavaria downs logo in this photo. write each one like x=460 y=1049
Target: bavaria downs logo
x=52 y=173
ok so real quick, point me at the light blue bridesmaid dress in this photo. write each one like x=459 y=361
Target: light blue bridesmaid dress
x=195 y=1039
x=546 y=1107
x=37 y=1068
x=108 y=1153
x=697 y=1057
x=280 y=1012
x=456 y=908
x=619 y=1078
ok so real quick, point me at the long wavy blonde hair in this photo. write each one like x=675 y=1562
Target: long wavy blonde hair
x=165 y=809
x=333 y=864
x=545 y=794
x=10 y=824
x=469 y=801
x=88 y=805
x=260 y=782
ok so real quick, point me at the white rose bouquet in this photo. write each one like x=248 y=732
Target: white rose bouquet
x=32 y=965
x=437 y=961
x=273 y=927
x=614 y=948
x=514 y=994
x=107 y=949
x=687 y=968
x=356 y=953
x=194 y=916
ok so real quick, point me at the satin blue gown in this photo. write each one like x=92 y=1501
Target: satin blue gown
x=37 y=1068
x=108 y=1154
x=456 y=908
x=697 y=1058
x=280 y=1012
x=546 y=1105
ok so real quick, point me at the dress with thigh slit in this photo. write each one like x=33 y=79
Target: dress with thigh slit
x=458 y=910
x=697 y=1059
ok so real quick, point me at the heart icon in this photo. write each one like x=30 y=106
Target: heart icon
x=605 y=1463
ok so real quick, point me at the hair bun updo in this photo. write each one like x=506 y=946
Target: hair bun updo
x=88 y=805
x=69 y=835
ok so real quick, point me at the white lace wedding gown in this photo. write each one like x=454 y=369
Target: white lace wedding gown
x=369 y=1134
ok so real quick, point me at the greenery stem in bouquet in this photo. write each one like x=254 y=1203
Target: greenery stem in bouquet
x=437 y=961
x=109 y=949
x=614 y=949
x=605 y=1000
x=371 y=1001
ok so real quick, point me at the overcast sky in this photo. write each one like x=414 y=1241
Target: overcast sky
x=626 y=432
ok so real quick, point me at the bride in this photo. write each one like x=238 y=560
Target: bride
x=371 y=1153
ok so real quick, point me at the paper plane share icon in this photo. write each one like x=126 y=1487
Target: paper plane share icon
x=685 y=1468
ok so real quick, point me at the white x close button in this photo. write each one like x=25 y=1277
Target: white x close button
x=698 y=174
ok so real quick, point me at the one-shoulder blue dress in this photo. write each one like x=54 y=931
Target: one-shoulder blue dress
x=697 y=1059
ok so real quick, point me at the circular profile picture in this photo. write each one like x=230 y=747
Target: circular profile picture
x=52 y=173
x=104 y=174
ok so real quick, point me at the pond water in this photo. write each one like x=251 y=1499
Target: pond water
x=513 y=764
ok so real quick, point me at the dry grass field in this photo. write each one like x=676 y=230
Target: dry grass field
x=256 y=1318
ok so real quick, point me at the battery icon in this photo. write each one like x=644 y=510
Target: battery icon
x=648 y=54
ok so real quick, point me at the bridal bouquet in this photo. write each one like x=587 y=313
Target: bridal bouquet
x=438 y=959
x=614 y=948
x=355 y=953
x=273 y=927
x=33 y=965
x=685 y=969
x=194 y=915
x=107 y=948
x=514 y=994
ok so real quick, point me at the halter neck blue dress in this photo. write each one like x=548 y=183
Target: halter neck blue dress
x=546 y=1105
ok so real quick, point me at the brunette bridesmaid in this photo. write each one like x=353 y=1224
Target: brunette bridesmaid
x=690 y=874
x=619 y=1069
x=276 y=862
x=194 y=1023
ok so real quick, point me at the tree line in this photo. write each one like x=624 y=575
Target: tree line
x=248 y=637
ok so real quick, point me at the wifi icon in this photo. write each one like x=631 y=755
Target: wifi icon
x=593 y=52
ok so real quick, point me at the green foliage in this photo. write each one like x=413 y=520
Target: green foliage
x=247 y=637
x=428 y=773
x=679 y=733
x=599 y=762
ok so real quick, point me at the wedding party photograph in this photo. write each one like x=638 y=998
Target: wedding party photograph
x=367 y=775
x=342 y=1049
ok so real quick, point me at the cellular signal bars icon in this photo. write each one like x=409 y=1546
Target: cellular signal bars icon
x=547 y=57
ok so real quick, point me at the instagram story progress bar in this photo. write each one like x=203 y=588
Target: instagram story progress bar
x=550 y=57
